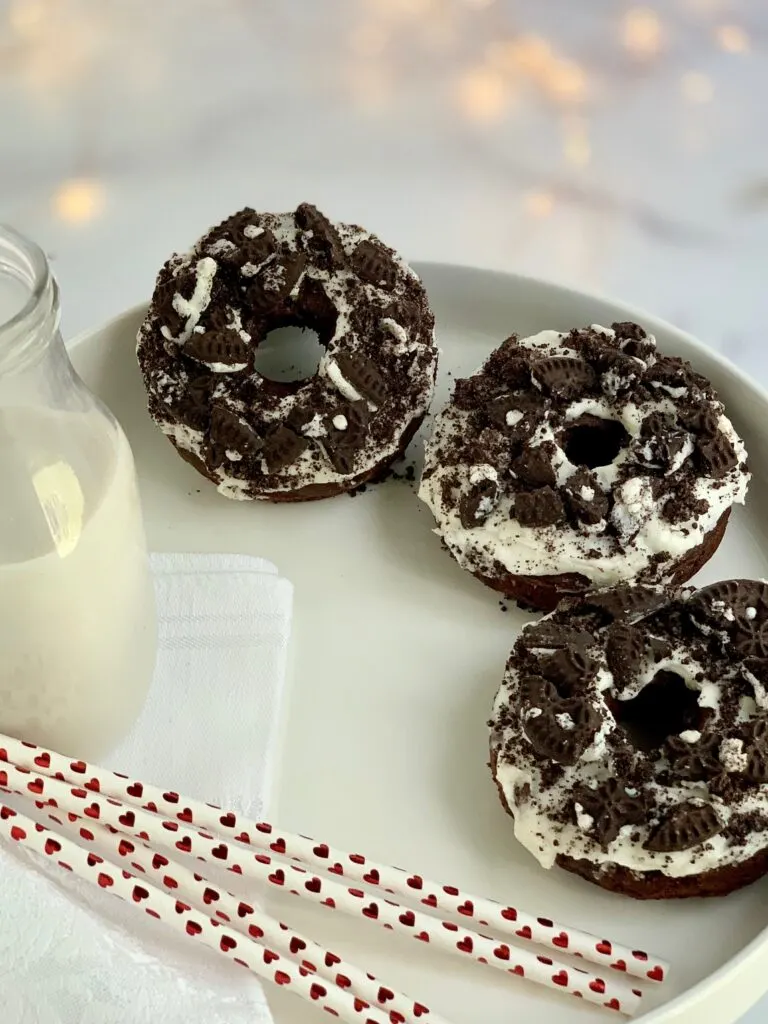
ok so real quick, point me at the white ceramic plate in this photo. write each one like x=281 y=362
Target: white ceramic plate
x=396 y=657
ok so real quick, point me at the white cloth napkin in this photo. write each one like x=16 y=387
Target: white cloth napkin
x=72 y=955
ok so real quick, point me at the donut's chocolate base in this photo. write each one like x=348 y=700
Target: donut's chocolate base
x=655 y=885
x=313 y=492
x=543 y=593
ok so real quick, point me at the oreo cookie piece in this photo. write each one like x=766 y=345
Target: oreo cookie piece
x=534 y=467
x=664 y=451
x=282 y=447
x=564 y=377
x=536 y=691
x=570 y=668
x=611 y=805
x=686 y=825
x=563 y=730
x=346 y=430
x=320 y=234
x=374 y=265
x=223 y=350
x=480 y=501
x=364 y=376
x=635 y=341
x=695 y=758
x=273 y=283
x=540 y=507
x=716 y=455
x=624 y=651
x=584 y=498
x=700 y=418
x=737 y=609
x=232 y=433
x=627 y=603
x=550 y=635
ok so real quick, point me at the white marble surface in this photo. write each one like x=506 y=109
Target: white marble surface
x=617 y=147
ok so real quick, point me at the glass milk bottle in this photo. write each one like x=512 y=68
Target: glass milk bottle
x=77 y=615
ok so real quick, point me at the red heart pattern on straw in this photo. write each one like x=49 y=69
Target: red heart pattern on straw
x=356 y=867
x=240 y=861
x=267 y=964
x=154 y=865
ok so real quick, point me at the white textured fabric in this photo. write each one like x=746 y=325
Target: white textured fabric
x=72 y=955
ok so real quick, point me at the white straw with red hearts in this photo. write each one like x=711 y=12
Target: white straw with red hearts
x=141 y=821
x=185 y=920
x=170 y=835
x=355 y=867
x=251 y=921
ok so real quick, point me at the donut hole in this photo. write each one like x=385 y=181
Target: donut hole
x=664 y=707
x=592 y=441
x=289 y=354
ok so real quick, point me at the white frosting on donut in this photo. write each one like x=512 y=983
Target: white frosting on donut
x=192 y=309
x=537 y=807
x=315 y=427
x=732 y=755
x=602 y=557
x=414 y=348
x=330 y=368
x=545 y=839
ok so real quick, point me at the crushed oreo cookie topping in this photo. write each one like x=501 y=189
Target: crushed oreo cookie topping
x=614 y=462
x=636 y=721
x=259 y=438
x=686 y=825
x=624 y=650
x=567 y=667
x=563 y=730
x=540 y=507
x=611 y=807
x=694 y=758
x=564 y=376
x=232 y=433
x=222 y=349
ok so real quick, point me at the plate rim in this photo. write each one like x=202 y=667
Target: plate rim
x=439 y=266
x=744 y=963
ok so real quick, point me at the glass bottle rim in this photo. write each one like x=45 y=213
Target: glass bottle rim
x=37 y=317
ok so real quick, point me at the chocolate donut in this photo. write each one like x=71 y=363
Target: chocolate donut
x=259 y=438
x=629 y=738
x=581 y=459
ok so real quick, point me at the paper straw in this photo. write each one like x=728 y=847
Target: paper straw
x=193 y=888
x=174 y=835
x=510 y=920
x=185 y=920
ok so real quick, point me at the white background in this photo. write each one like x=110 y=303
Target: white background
x=615 y=146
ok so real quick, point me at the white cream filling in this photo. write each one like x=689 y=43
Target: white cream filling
x=690 y=735
x=220 y=246
x=513 y=417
